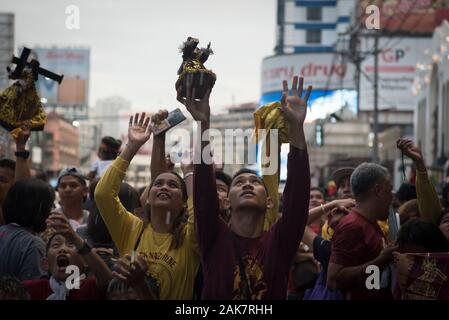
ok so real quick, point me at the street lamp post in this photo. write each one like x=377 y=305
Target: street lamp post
x=375 y=155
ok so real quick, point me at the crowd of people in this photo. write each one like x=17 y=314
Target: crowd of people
x=203 y=234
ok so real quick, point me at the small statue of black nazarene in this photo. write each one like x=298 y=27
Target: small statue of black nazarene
x=192 y=68
x=20 y=103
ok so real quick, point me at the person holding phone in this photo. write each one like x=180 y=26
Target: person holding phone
x=167 y=242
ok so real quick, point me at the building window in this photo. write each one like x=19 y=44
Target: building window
x=313 y=36
x=314 y=14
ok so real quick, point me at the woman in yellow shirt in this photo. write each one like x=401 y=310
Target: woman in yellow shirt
x=167 y=242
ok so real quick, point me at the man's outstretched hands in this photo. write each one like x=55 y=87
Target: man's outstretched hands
x=293 y=106
x=199 y=109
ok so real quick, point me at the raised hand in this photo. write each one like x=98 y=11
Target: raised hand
x=411 y=151
x=293 y=106
x=139 y=131
x=133 y=273
x=23 y=136
x=386 y=255
x=345 y=203
x=199 y=109
x=157 y=118
x=59 y=222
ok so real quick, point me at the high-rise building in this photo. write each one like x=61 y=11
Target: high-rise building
x=307 y=34
x=236 y=123
x=305 y=26
x=431 y=121
x=61 y=144
x=90 y=136
x=6 y=52
x=6 y=46
x=70 y=98
x=108 y=112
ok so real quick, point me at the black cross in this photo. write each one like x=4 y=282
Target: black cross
x=21 y=63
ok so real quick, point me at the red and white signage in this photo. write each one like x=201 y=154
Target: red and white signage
x=320 y=70
x=397 y=70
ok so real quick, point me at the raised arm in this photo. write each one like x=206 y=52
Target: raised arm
x=205 y=199
x=123 y=226
x=158 y=163
x=95 y=263
x=188 y=172
x=290 y=228
x=342 y=204
x=22 y=168
x=428 y=202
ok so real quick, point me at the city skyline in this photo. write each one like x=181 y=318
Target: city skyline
x=142 y=68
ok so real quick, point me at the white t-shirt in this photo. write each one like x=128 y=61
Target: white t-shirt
x=73 y=223
x=100 y=167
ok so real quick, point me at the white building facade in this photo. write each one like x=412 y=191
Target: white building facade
x=431 y=86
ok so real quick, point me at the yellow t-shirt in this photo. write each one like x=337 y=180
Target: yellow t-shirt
x=172 y=272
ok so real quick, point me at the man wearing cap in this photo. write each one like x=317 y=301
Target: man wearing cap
x=72 y=190
x=341 y=177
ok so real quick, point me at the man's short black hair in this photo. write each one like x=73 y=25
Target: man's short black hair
x=54 y=234
x=74 y=172
x=28 y=203
x=318 y=189
x=220 y=175
x=424 y=234
x=246 y=170
x=112 y=147
x=406 y=192
x=8 y=163
x=111 y=142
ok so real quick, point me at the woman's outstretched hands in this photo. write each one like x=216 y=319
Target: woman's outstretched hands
x=139 y=131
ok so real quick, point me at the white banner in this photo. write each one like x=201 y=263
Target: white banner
x=397 y=67
x=321 y=70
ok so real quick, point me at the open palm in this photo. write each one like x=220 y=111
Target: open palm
x=139 y=130
x=200 y=110
x=293 y=106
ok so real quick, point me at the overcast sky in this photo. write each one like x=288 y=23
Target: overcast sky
x=134 y=43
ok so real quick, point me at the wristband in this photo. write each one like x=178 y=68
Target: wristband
x=22 y=154
x=188 y=174
x=322 y=209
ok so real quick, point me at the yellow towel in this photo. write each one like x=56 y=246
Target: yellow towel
x=270 y=117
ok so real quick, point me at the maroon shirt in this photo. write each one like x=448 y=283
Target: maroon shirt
x=357 y=241
x=267 y=258
x=40 y=290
